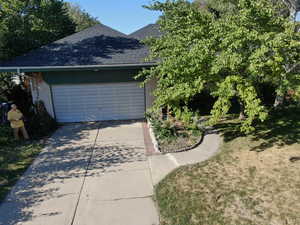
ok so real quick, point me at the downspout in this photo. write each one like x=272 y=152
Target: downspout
x=19 y=74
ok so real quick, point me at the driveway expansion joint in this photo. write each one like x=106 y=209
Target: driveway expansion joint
x=85 y=175
x=120 y=199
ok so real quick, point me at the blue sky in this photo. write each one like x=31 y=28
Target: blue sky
x=126 y=16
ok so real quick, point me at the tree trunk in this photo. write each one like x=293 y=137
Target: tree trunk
x=242 y=111
x=164 y=113
x=278 y=101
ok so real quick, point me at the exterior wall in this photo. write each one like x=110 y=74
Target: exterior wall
x=41 y=91
x=88 y=77
x=149 y=88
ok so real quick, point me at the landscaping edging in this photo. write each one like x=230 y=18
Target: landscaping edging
x=153 y=138
x=157 y=148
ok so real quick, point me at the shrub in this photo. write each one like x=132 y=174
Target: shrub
x=182 y=125
x=162 y=129
x=40 y=123
x=6 y=136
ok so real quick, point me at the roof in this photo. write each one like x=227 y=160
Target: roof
x=96 y=46
x=151 y=30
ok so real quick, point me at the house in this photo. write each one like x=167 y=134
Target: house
x=89 y=76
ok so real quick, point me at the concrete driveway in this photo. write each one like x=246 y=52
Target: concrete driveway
x=88 y=174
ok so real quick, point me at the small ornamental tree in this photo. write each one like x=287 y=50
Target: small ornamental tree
x=229 y=55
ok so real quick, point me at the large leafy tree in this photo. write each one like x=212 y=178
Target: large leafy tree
x=81 y=18
x=223 y=7
x=231 y=54
x=219 y=8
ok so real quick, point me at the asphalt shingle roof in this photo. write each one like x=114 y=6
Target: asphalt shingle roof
x=98 y=45
x=151 y=30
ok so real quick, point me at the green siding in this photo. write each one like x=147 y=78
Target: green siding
x=87 y=77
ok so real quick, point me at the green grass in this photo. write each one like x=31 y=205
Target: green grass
x=252 y=181
x=15 y=157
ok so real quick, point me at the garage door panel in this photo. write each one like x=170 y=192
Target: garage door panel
x=76 y=103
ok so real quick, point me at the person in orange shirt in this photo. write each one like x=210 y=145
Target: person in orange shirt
x=16 y=122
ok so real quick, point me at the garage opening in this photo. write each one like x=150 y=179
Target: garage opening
x=96 y=102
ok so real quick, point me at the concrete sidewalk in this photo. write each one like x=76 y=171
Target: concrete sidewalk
x=162 y=165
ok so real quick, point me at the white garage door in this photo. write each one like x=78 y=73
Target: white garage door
x=93 y=102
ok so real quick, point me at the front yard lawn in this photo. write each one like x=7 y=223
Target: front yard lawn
x=255 y=180
x=15 y=157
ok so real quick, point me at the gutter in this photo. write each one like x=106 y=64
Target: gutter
x=72 y=68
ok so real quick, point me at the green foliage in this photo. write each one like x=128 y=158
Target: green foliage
x=229 y=55
x=297 y=95
x=218 y=7
x=172 y=128
x=81 y=18
x=225 y=7
x=40 y=123
x=6 y=84
x=187 y=117
x=6 y=136
x=163 y=129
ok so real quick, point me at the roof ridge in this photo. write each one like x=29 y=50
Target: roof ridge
x=150 y=30
x=148 y=25
x=84 y=31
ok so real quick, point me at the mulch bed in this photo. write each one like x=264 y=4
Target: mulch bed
x=180 y=144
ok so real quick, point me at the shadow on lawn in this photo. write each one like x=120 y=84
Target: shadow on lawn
x=57 y=174
x=282 y=128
